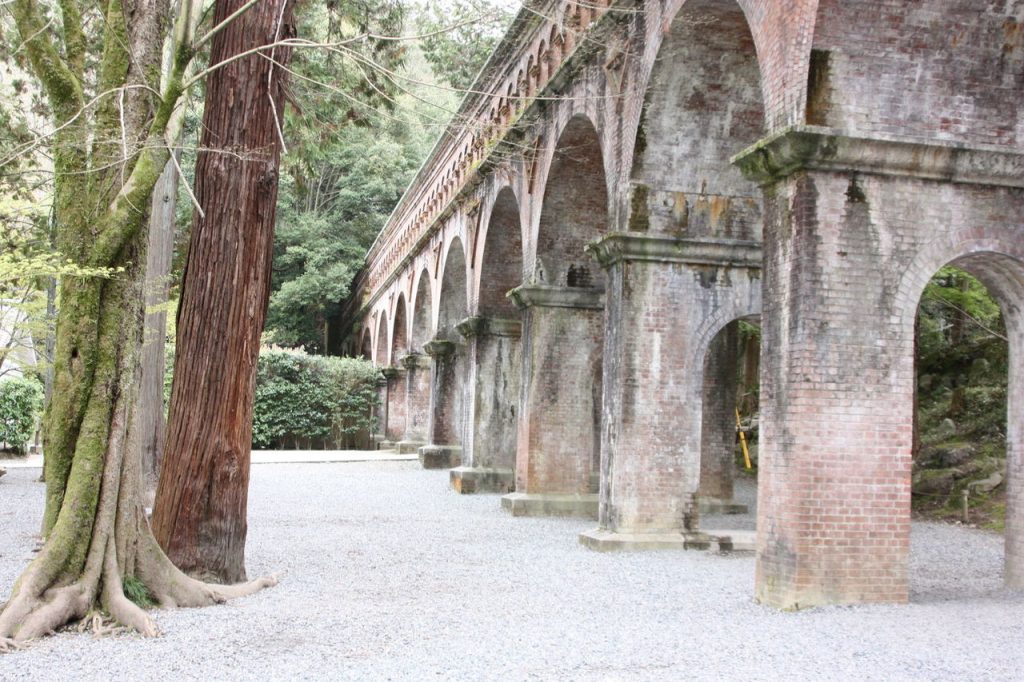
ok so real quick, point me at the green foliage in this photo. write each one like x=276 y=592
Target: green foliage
x=458 y=36
x=21 y=402
x=138 y=593
x=304 y=398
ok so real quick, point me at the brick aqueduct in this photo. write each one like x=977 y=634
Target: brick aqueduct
x=554 y=300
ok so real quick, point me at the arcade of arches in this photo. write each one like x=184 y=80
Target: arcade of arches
x=555 y=302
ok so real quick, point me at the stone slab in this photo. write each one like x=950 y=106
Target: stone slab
x=721 y=507
x=440 y=456
x=717 y=541
x=549 y=504
x=410 y=447
x=469 y=480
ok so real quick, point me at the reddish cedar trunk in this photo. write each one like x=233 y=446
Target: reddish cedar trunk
x=199 y=515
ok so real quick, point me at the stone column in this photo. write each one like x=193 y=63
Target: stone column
x=443 y=450
x=396 y=398
x=718 y=428
x=417 y=403
x=667 y=299
x=489 y=446
x=557 y=441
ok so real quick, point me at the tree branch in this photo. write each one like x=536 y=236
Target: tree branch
x=63 y=89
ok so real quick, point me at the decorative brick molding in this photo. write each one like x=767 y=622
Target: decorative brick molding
x=626 y=246
x=824 y=149
x=547 y=296
x=489 y=326
x=414 y=361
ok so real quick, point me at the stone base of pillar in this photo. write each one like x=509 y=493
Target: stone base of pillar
x=467 y=480
x=550 y=504
x=385 y=444
x=715 y=541
x=712 y=505
x=409 y=447
x=440 y=456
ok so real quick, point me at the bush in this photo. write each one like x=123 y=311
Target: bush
x=308 y=400
x=21 y=401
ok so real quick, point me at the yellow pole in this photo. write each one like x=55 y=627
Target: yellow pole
x=743 y=442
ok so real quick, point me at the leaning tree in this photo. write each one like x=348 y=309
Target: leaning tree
x=111 y=121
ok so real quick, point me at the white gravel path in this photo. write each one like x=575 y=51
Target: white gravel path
x=391 y=576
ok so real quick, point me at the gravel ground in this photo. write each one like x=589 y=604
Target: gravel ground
x=389 y=575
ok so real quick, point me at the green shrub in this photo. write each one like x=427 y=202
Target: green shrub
x=311 y=400
x=21 y=401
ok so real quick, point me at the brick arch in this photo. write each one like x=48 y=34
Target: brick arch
x=702 y=104
x=996 y=257
x=421 y=329
x=942 y=69
x=499 y=255
x=574 y=208
x=452 y=305
x=399 y=329
x=382 y=346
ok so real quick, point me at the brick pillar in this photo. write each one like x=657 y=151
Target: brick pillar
x=667 y=298
x=1014 y=532
x=417 y=402
x=489 y=446
x=443 y=450
x=718 y=428
x=394 y=429
x=560 y=400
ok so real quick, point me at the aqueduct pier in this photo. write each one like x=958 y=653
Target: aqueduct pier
x=554 y=302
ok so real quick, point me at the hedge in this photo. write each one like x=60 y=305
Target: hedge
x=21 y=402
x=309 y=401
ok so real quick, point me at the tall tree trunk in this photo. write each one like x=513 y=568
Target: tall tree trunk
x=94 y=525
x=151 y=420
x=199 y=515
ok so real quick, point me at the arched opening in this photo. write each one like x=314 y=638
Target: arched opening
x=728 y=445
x=501 y=267
x=968 y=430
x=448 y=351
x=416 y=366
x=366 y=345
x=703 y=105
x=452 y=307
x=422 y=309
x=381 y=347
x=399 y=335
x=493 y=359
x=559 y=422
x=575 y=210
x=394 y=427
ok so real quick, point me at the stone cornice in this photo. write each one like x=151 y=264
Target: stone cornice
x=658 y=248
x=390 y=372
x=547 y=296
x=416 y=361
x=489 y=326
x=438 y=347
x=825 y=149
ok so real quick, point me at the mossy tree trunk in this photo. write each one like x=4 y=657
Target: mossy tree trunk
x=106 y=165
x=199 y=515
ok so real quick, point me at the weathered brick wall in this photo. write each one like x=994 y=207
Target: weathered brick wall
x=703 y=104
x=396 y=395
x=941 y=69
x=494 y=369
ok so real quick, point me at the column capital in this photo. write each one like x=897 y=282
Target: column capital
x=416 y=360
x=798 y=148
x=547 y=296
x=489 y=326
x=439 y=347
x=617 y=247
x=390 y=372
